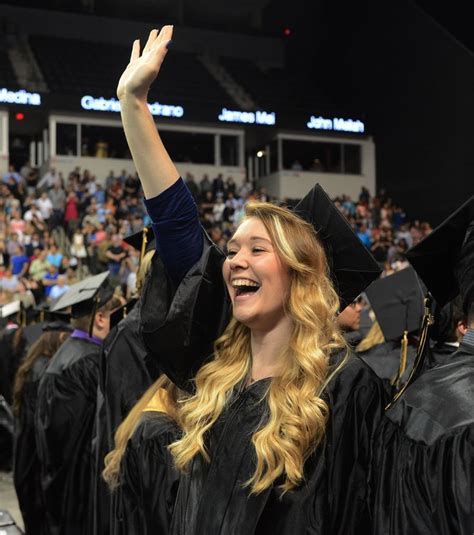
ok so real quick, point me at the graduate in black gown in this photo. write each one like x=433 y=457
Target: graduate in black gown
x=8 y=359
x=26 y=466
x=423 y=465
x=65 y=410
x=446 y=333
x=269 y=445
x=397 y=301
x=12 y=346
x=126 y=371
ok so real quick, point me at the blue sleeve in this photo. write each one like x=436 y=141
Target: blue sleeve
x=178 y=233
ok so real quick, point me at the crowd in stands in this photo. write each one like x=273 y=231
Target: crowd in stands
x=55 y=229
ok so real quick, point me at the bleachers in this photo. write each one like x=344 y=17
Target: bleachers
x=78 y=67
x=275 y=89
x=7 y=75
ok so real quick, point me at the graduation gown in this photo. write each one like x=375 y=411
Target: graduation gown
x=439 y=354
x=384 y=359
x=149 y=479
x=64 y=423
x=423 y=465
x=126 y=371
x=26 y=474
x=211 y=498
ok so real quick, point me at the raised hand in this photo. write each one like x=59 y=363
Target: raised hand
x=143 y=69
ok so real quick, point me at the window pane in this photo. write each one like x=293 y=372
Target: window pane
x=312 y=156
x=229 y=150
x=352 y=159
x=103 y=142
x=189 y=147
x=66 y=139
x=273 y=156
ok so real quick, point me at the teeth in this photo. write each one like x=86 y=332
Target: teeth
x=244 y=282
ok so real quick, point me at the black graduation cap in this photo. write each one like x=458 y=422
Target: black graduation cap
x=436 y=257
x=352 y=266
x=120 y=313
x=142 y=241
x=85 y=296
x=45 y=314
x=397 y=301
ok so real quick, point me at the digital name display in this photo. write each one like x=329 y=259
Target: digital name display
x=336 y=124
x=247 y=117
x=19 y=97
x=113 y=105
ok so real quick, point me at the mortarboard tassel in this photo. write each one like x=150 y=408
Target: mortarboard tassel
x=403 y=360
x=428 y=321
x=144 y=244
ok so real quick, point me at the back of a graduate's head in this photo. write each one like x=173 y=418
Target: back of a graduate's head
x=101 y=318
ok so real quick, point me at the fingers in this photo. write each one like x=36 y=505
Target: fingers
x=135 y=50
x=165 y=35
x=151 y=39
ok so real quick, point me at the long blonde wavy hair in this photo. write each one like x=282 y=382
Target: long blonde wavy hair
x=297 y=411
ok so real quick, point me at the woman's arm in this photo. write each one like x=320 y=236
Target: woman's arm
x=154 y=166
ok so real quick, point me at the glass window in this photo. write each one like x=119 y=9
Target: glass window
x=274 y=156
x=189 y=147
x=352 y=159
x=66 y=139
x=312 y=156
x=229 y=150
x=103 y=142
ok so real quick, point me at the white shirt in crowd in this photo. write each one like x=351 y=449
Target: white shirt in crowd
x=45 y=206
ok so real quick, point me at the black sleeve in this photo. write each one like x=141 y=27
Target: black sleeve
x=180 y=326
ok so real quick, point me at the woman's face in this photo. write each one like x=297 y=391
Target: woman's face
x=257 y=281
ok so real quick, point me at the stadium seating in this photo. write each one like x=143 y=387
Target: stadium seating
x=78 y=67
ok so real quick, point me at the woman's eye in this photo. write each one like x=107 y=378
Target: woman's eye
x=230 y=254
x=257 y=250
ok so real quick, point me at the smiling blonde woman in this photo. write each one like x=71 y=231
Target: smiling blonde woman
x=274 y=433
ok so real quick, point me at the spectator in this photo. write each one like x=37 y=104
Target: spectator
x=363 y=234
x=19 y=261
x=11 y=174
x=218 y=185
x=50 y=279
x=54 y=256
x=115 y=254
x=205 y=186
x=192 y=186
x=39 y=266
x=71 y=214
x=49 y=179
x=45 y=205
x=57 y=196
x=58 y=289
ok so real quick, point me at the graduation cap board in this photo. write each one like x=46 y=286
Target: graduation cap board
x=397 y=301
x=352 y=266
x=85 y=296
x=9 y=309
x=436 y=257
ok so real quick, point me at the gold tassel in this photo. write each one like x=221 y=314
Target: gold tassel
x=403 y=360
x=423 y=343
x=144 y=244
